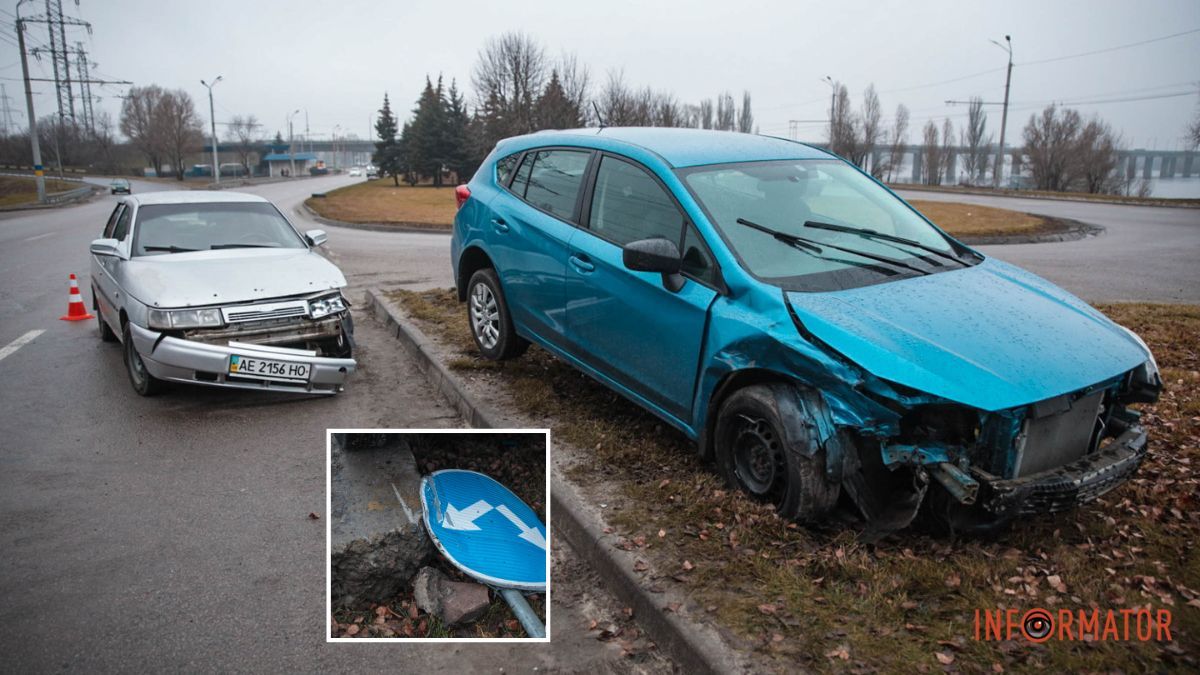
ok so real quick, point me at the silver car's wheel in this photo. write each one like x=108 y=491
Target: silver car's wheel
x=485 y=316
x=491 y=324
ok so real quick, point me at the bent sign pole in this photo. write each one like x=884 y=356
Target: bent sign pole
x=486 y=531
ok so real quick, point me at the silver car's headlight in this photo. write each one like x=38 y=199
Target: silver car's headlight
x=323 y=307
x=167 y=319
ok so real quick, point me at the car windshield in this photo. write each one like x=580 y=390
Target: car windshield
x=175 y=228
x=785 y=195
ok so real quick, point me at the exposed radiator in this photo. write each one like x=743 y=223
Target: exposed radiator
x=1061 y=438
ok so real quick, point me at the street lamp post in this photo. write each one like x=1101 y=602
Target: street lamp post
x=212 y=116
x=1007 y=46
x=291 y=143
x=832 y=99
x=38 y=172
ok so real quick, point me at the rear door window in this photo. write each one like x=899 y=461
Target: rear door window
x=553 y=181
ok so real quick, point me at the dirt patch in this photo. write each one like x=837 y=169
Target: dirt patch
x=820 y=598
x=379 y=202
x=971 y=220
x=15 y=191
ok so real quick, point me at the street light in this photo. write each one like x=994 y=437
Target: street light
x=337 y=160
x=1007 y=46
x=291 y=147
x=212 y=116
x=832 y=97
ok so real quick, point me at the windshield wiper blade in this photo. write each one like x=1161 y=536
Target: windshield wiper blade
x=169 y=249
x=872 y=234
x=802 y=242
x=216 y=246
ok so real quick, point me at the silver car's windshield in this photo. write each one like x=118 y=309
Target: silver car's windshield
x=177 y=228
x=783 y=196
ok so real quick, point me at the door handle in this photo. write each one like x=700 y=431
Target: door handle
x=582 y=264
x=500 y=224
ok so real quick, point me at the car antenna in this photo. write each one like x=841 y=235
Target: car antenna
x=599 y=117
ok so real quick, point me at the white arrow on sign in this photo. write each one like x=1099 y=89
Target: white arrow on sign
x=529 y=534
x=465 y=519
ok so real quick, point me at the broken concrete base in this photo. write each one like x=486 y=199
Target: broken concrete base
x=378 y=542
x=451 y=601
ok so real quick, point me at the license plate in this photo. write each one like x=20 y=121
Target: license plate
x=268 y=369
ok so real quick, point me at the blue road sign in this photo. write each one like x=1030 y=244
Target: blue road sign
x=485 y=530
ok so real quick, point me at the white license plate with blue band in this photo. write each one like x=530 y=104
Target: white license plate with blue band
x=269 y=369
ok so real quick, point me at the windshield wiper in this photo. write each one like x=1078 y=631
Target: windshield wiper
x=815 y=246
x=169 y=249
x=216 y=246
x=872 y=234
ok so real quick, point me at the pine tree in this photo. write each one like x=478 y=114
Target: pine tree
x=458 y=141
x=426 y=146
x=387 y=156
x=554 y=110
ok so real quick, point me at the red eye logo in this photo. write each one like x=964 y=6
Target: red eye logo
x=1037 y=625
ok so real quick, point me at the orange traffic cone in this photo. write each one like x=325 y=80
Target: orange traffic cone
x=75 y=309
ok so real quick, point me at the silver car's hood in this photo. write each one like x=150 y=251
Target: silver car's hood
x=225 y=276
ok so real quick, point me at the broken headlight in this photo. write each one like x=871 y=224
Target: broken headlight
x=323 y=307
x=168 y=319
x=1145 y=382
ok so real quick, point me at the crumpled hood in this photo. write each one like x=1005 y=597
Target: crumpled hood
x=232 y=275
x=991 y=336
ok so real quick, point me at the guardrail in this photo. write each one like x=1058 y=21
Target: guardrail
x=60 y=197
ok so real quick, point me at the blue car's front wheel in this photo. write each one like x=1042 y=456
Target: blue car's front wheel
x=756 y=456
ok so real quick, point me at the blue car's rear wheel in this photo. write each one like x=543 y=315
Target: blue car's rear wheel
x=757 y=457
x=491 y=324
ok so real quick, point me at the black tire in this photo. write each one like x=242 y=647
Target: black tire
x=755 y=457
x=488 y=318
x=143 y=382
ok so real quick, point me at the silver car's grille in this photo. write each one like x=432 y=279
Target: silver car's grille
x=265 y=311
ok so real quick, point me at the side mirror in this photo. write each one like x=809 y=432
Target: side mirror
x=106 y=247
x=316 y=237
x=655 y=255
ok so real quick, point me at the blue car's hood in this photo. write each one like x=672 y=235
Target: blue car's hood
x=991 y=336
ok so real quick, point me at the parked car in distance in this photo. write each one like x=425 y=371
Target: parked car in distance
x=357 y=172
x=218 y=288
x=813 y=333
x=120 y=186
x=372 y=173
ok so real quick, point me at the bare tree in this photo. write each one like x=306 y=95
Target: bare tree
x=103 y=138
x=1096 y=158
x=844 y=126
x=975 y=141
x=509 y=76
x=1050 y=145
x=899 y=137
x=1193 y=130
x=576 y=84
x=706 y=114
x=726 y=112
x=243 y=132
x=872 y=129
x=745 y=120
x=138 y=114
x=932 y=154
x=179 y=127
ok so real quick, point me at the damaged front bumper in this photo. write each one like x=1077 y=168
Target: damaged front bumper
x=1067 y=486
x=180 y=360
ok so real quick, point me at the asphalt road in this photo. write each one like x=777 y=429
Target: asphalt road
x=173 y=532
x=1147 y=253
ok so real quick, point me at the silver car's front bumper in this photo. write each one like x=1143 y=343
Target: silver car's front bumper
x=171 y=358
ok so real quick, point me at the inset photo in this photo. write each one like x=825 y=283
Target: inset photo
x=438 y=534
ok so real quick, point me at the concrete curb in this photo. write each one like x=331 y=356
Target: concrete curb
x=1017 y=194
x=695 y=647
x=1075 y=231
x=412 y=228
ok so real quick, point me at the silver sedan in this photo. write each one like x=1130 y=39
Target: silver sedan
x=220 y=289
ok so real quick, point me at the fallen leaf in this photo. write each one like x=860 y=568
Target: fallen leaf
x=672 y=607
x=662 y=533
x=313 y=516
x=840 y=653
x=768 y=609
x=688 y=566
x=665 y=482
x=944 y=658
x=353 y=630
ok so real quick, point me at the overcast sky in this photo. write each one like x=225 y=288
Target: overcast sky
x=337 y=58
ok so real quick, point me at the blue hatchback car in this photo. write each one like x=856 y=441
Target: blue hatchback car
x=812 y=332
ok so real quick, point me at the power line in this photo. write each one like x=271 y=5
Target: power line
x=1110 y=49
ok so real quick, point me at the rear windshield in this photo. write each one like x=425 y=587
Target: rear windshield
x=163 y=229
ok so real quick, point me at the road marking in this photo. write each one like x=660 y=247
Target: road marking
x=40 y=236
x=408 y=513
x=19 y=342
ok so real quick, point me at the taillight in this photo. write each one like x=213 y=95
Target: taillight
x=461 y=194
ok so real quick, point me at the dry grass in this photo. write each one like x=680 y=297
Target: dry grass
x=381 y=202
x=966 y=220
x=16 y=190
x=820 y=598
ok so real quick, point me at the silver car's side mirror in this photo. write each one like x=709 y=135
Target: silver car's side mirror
x=106 y=247
x=316 y=237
